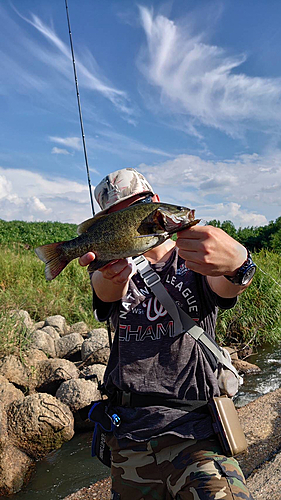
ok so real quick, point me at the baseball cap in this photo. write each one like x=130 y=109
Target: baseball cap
x=119 y=186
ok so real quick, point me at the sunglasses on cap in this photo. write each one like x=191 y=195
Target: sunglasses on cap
x=147 y=199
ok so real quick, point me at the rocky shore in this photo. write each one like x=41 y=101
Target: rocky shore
x=46 y=392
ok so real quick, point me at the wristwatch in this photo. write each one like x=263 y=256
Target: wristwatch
x=245 y=273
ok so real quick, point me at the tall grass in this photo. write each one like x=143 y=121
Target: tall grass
x=23 y=286
x=256 y=318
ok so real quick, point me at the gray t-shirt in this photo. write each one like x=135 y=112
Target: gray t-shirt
x=148 y=357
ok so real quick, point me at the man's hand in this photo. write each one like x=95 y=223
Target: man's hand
x=210 y=251
x=117 y=271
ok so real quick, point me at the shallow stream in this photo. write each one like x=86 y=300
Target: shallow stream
x=72 y=467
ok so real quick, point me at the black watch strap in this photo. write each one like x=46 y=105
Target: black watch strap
x=245 y=273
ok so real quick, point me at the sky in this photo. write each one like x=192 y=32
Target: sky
x=187 y=92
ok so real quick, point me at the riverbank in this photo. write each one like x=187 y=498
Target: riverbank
x=261 y=421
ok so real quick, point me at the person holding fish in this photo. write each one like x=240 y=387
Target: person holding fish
x=159 y=449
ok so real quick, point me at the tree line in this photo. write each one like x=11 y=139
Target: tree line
x=254 y=238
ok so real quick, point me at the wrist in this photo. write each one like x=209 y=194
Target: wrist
x=243 y=274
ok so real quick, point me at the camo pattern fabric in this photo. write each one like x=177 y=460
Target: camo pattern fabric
x=170 y=467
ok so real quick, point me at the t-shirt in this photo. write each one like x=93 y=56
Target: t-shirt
x=149 y=357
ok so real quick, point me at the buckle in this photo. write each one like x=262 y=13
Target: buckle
x=151 y=278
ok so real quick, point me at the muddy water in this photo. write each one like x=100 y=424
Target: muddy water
x=72 y=467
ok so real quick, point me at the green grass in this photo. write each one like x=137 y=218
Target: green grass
x=257 y=316
x=255 y=319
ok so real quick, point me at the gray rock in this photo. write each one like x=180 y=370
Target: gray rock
x=38 y=325
x=95 y=349
x=44 y=342
x=78 y=393
x=52 y=372
x=69 y=345
x=79 y=327
x=15 y=469
x=58 y=322
x=39 y=424
x=22 y=317
x=89 y=371
x=51 y=331
x=14 y=371
x=8 y=392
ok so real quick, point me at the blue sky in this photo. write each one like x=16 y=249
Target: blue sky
x=187 y=92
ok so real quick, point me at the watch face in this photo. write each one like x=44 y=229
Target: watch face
x=248 y=275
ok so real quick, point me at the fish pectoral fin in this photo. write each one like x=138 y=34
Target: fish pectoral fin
x=84 y=226
x=97 y=264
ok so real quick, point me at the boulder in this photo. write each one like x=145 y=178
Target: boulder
x=92 y=370
x=22 y=318
x=244 y=367
x=95 y=349
x=52 y=372
x=51 y=331
x=14 y=371
x=44 y=342
x=39 y=424
x=38 y=325
x=15 y=469
x=8 y=392
x=78 y=394
x=58 y=322
x=79 y=327
x=69 y=346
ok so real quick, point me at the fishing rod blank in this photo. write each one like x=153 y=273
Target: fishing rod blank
x=79 y=108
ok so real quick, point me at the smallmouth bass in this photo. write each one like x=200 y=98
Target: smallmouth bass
x=128 y=232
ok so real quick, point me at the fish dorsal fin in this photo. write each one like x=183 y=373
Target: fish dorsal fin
x=84 y=226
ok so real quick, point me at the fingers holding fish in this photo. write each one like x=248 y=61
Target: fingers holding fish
x=86 y=259
x=118 y=271
x=210 y=251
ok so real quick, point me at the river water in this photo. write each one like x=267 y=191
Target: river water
x=67 y=470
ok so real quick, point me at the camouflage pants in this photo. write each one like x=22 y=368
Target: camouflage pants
x=173 y=468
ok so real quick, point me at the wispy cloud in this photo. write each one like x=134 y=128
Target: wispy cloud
x=203 y=80
x=58 y=151
x=71 y=142
x=56 y=55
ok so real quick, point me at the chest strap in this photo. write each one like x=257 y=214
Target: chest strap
x=182 y=321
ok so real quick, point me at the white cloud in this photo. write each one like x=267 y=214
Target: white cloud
x=246 y=190
x=58 y=151
x=202 y=81
x=72 y=142
x=30 y=196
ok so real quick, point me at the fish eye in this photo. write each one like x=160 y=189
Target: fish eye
x=180 y=208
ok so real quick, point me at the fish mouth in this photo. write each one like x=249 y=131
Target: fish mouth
x=171 y=223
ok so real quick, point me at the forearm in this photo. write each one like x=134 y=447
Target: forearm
x=224 y=288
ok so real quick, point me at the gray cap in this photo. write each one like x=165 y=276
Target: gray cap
x=119 y=186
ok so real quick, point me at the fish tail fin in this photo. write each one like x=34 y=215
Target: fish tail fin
x=54 y=258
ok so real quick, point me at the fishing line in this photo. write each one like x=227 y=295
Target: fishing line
x=276 y=282
x=79 y=107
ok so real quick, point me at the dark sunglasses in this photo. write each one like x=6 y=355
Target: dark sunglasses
x=147 y=199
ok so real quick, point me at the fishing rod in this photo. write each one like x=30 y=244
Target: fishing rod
x=83 y=138
x=79 y=108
